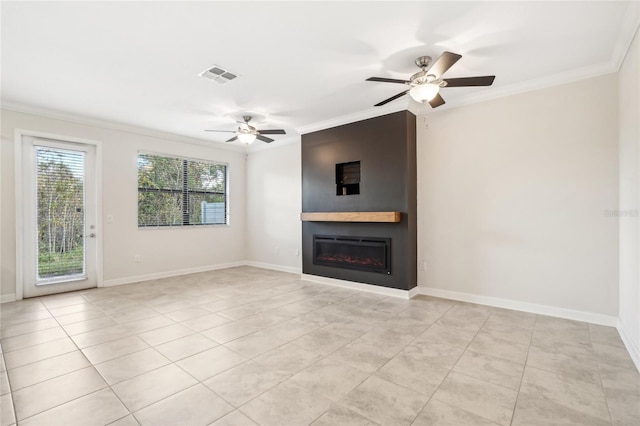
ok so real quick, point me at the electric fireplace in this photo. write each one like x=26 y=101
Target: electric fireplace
x=360 y=253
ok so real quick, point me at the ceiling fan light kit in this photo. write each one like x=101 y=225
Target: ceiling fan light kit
x=426 y=84
x=246 y=138
x=424 y=92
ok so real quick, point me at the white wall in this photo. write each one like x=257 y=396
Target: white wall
x=629 y=121
x=274 y=203
x=162 y=251
x=511 y=199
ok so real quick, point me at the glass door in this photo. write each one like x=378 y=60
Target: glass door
x=60 y=231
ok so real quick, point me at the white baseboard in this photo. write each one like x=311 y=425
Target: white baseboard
x=632 y=347
x=414 y=292
x=516 y=305
x=167 y=274
x=6 y=298
x=369 y=288
x=273 y=267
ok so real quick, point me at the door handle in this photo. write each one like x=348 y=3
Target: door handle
x=92 y=235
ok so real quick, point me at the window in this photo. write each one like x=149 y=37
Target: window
x=178 y=191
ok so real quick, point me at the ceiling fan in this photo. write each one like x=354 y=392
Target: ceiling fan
x=426 y=84
x=246 y=133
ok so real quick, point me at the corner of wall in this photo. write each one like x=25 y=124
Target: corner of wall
x=632 y=347
x=6 y=298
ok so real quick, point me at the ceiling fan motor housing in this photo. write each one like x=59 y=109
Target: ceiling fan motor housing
x=423 y=61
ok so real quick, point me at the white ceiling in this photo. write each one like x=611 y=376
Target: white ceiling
x=300 y=63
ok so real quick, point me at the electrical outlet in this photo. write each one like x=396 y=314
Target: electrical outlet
x=277 y=249
x=297 y=252
x=136 y=258
x=423 y=265
x=109 y=218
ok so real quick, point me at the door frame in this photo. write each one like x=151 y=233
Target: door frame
x=19 y=135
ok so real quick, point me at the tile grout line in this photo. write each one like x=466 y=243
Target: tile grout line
x=524 y=369
x=89 y=361
x=434 y=391
x=373 y=373
x=252 y=360
x=323 y=357
x=71 y=400
x=11 y=391
x=171 y=363
x=92 y=365
x=466 y=348
x=273 y=349
x=604 y=393
x=335 y=301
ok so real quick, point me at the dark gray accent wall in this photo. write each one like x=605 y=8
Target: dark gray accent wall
x=386 y=149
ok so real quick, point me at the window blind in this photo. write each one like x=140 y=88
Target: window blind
x=60 y=210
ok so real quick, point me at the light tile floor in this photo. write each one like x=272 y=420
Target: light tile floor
x=247 y=346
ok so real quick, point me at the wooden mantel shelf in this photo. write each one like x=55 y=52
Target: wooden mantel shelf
x=393 y=217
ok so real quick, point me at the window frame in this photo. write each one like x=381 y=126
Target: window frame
x=182 y=225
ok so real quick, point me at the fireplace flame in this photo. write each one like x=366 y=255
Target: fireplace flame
x=351 y=260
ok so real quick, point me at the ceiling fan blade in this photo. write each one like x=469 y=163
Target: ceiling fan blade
x=264 y=139
x=443 y=63
x=436 y=101
x=387 y=80
x=232 y=139
x=486 y=80
x=220 y=131
x=272 y=132
x=393 y=98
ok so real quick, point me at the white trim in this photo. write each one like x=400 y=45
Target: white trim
x=628 y=30
x=351 y=118
x=181 y=157
x=6 y=298
x=533 y=308
x=168 y=274
x=17 y=177
x=631 y=346
x=497 y=92
x=528 y=86
x=376 y=289
x=99 y=216
x=273 y=267
x=104 y=124
x=280 y=142
x=611 y=66
x=414 y=292
x=19 y=134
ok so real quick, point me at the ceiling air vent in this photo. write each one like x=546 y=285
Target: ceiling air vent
x=218 y=74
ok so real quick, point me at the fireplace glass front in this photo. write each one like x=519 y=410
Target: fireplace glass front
x=360 y=253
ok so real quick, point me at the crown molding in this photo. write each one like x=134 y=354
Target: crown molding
x=495 y=93
x=628 y=30
x=353 y=117
x=531 y=85
x=105 y=124
x=289 y=140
